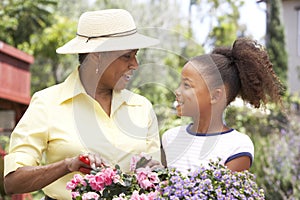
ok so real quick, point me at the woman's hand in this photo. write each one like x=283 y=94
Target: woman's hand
x=85 y=163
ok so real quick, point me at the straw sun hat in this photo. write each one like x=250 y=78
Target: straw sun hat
x=106 y=30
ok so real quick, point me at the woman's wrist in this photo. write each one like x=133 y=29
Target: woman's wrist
x=68 y=164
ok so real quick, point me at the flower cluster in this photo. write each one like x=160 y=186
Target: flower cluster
x=215 y=182
x=112 y=183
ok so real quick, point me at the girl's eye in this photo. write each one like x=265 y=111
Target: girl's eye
x=186 y=85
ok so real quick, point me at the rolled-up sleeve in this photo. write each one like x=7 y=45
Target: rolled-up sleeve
x=29 y=138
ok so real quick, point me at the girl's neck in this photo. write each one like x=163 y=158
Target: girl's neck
x=209 y=126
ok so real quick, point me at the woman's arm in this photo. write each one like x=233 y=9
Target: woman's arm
x=31 y=178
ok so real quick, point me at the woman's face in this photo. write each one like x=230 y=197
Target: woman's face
x=119 y=70
x=192 y=95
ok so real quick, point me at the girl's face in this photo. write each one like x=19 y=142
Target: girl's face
x=193 y=95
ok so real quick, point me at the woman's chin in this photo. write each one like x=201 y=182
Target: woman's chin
x=119 y=87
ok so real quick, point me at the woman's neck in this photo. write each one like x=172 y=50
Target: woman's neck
x=104 y=98
x=89 y=79
x=90 y=82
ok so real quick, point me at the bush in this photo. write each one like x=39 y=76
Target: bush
x=276 y=137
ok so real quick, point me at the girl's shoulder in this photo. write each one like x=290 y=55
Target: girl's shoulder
x=172 y=133
x=236 y=134
x=239 y=138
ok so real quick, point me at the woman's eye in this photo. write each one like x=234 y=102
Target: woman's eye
x=127 y=56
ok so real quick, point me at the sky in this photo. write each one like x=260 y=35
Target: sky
x=252 y=15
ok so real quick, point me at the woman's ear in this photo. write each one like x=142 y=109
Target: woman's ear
x=216 y=95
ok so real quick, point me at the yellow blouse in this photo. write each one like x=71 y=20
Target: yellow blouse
x=63 y=121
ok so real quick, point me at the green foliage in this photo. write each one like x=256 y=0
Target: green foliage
x=277 y=162
x=276 y=40
x=22 y=18
x=72 y=9
x=225 y=28
x=51 y=68
x=245 y=118
x=275 y=133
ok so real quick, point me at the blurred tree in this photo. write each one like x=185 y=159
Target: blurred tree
x=49 y=67
x=275 y=39
x=72 y=9
x=223 y=16
x=22 y=18
x=227 y=28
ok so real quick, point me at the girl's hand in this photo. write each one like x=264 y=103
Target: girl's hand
x=152 y=164
x=155 y=165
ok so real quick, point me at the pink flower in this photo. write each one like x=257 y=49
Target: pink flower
x=91 y=186
x=75 y=194
x=71 y=185
x=96 y=182
x=117 y=178
x=133 y=162
x=101 y=179
x=136 y=196
x=145 y=184
x=77 y=180
x=146 y=178
x=108 y=174
x=90 y=195
x=153 y=177
x=152 y=195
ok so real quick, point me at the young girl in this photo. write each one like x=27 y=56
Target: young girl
x=209 y=83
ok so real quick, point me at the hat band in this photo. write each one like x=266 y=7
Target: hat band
x=120 y=34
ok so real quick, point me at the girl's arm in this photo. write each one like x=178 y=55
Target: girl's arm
x=239 y=164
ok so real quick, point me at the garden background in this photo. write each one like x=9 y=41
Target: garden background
x=38 y=27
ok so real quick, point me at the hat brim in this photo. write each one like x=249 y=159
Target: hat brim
x=83 y=45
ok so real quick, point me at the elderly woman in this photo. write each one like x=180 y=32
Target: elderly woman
x=90 y=114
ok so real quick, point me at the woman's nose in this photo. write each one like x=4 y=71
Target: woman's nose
x=134 y=63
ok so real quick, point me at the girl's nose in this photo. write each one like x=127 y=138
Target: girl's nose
x=177 y=92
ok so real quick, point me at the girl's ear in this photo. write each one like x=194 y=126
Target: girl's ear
x=216 y=95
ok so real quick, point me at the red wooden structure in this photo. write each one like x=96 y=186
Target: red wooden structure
x=14 y=92
x=14 y=79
